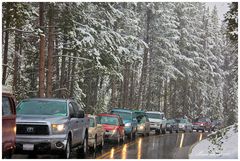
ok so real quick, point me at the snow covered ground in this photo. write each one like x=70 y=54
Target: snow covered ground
x=222 y=144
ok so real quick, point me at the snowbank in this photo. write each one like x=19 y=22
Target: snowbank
x=222 y=144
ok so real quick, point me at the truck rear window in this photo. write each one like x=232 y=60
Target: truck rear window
x=39 y=107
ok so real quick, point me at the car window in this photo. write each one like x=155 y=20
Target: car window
x=123 y=115
x=42 y=107
x=6 y=106
x=154 y=115
x=91 y=122
x=71 y=110
x=108 y=120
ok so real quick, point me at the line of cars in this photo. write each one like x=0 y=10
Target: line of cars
x=42 y=125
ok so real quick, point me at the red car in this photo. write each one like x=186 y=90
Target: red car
x=8 y=123
x=202 y=124
x=113 y=126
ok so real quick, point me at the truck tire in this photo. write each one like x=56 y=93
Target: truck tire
x=84 y=149
x=67 y=151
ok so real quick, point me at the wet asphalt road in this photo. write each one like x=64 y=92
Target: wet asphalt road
x=164 y=146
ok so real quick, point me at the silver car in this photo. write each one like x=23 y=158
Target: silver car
x=50 y=126
x=184 y=125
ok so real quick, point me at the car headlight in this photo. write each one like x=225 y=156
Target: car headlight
x=128 y=124
x=56 y=128
x=141 y=127
x=201 y=124
x=114 y=131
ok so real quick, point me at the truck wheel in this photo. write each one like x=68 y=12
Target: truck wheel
x=84 y=149
x=67 y=151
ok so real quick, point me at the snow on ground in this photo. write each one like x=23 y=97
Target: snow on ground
x=222 y=144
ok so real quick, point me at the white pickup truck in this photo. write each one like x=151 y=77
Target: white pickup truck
x=51 y=126
x=157 y=121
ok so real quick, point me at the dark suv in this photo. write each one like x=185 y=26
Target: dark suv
x=8 y=123
x=202 y=124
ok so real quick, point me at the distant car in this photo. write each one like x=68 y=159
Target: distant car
x=184 y=125
x=172 y=125
x=216 y=125
x=47 y=125
x=143 y=126
x=129 y=120
x=202 y=124
x=96 y=133
x=8 y=123
x=113 y=125
x=157 y=121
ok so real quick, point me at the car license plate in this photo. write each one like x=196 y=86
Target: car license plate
x=28 y=146
x=108 y=133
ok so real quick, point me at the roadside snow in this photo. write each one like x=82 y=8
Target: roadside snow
x=222 y=144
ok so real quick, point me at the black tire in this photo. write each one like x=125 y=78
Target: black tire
x=8 y=155
x=84 y=149
x=67 y=151
x=157 y=132
x=131 y=135
x=197 y=130
x=102 y=143
x=164 y=131
x=123 y=138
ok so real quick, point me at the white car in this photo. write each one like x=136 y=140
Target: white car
x=96 y=133
x=157 y=121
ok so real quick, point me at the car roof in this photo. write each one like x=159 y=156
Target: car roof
x=157 y=112
x=122 y=110
x=47 y=99
x=107 y=114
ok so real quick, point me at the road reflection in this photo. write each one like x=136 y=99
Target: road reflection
x=200 y=137
x=181 y=142
x=139 y=148
x=124 y=151
x=112 y=153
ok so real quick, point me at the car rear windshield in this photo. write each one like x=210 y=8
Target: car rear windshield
x=154 y=116
x=108 y=120
x=42 y=107
x=202 y=120
x=123 y=115
x=181 y=121
x=91 y=122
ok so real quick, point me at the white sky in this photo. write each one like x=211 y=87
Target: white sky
x=222 y=8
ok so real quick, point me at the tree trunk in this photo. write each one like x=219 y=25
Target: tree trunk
x=15 y=62
x=73 y=75
x=42 y=52
x=50 y=49
x=165 y=97
x=142 y=89
x=126 y=84
x=114 y=90
x=63 y=66
x=132 y=88
x=5 y=53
